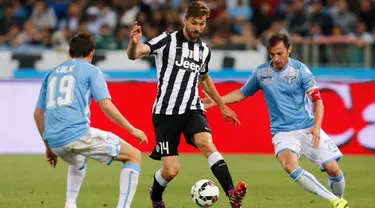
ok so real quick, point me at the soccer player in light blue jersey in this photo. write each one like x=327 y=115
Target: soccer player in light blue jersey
x=62 y=116
x=286 y=84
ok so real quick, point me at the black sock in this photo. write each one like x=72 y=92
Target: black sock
x=221 y=172
x=157 y=191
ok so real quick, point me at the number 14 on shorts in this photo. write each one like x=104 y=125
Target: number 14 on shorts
x=163 y=148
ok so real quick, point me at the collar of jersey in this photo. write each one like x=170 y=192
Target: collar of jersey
x=287 y=66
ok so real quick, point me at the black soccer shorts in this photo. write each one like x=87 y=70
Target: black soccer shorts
x=168 y=130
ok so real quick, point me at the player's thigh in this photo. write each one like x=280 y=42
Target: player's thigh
x=287 y=141
x=99 y=145
x=73 y=159
x=326 y=152
x=168 y=129
x=197 y=132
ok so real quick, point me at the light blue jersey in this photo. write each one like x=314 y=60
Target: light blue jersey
x=66 y=94
x=285 y=94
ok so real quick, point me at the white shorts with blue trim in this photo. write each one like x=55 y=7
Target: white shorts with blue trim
x=300 y=142
x=102 y=146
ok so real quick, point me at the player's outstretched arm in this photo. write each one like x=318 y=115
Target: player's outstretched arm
x=114 y=114
x=39 y=120
x=209 y=88
x=233 y=97
x=135 y=49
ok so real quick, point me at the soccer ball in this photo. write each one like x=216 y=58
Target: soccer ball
x=204 y=193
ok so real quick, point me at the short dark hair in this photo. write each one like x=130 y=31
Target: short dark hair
x=197 y=9
x=276 y=38
x=81 y=45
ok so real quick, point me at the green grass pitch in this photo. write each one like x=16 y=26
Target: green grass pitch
x=27 y=181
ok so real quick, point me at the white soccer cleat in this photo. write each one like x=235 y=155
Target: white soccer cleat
x=71 y=206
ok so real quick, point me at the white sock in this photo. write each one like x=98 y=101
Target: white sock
x=159 y=178
x=337 y=185
x=309 y=182
x=75 y=180
x=214 y=157
x=128 y=184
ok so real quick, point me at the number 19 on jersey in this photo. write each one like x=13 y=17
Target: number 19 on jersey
x=63 y=96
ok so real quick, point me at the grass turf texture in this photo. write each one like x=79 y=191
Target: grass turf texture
x=27 y=181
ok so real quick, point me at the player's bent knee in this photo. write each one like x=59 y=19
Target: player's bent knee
x=332 y=169
x=289 y=165
x=129 y=154
x=171 y=173
x=170 y=170
x=136 y=156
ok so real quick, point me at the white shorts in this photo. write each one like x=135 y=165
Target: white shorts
x=102 y=146
x=300 y=142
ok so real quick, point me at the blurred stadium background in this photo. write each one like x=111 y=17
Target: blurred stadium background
x=335 y=38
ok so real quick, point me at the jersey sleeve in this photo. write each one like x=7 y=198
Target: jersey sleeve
x=41 y=103
x=307 y=79
x=204 y=69
x=158 y=42
x=251 y=86
x=98 y=86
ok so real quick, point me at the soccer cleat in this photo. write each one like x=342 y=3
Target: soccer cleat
x=156 y=204
x=236 y=195
x=339 y=203
x=71 y=206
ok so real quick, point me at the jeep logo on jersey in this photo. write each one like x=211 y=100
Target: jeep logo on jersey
x=188 y=63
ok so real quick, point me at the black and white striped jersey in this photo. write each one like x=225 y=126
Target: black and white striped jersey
x=179 y=64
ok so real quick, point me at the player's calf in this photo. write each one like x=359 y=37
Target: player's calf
x=336 y=180
x=131 y=157
x=170 y=169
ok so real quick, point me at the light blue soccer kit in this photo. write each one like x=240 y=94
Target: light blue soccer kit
x=286 y=98
x=66 y=94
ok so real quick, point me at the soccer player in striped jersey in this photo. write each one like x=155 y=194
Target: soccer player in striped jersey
x=182 y=60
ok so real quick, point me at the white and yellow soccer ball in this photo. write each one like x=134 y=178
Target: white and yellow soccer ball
x=204 y=193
